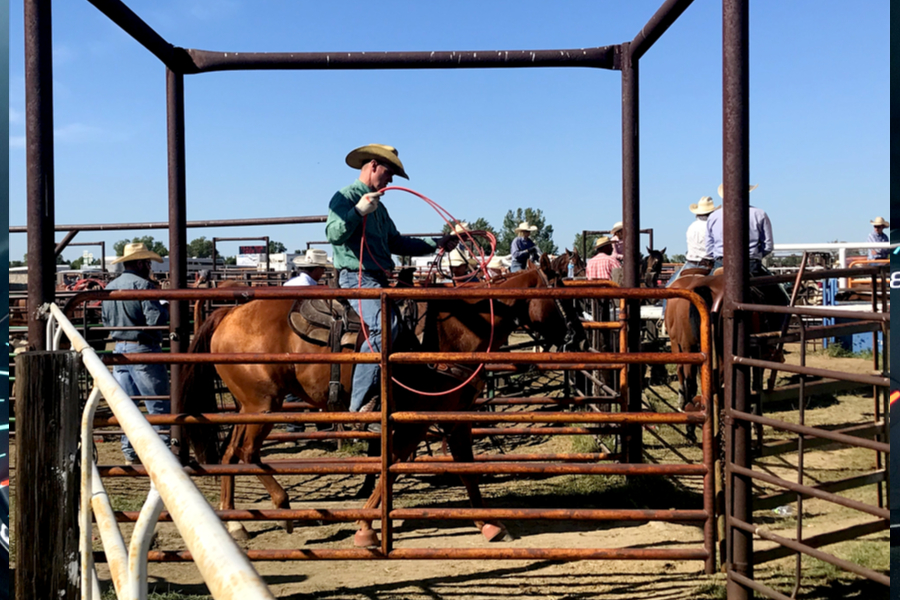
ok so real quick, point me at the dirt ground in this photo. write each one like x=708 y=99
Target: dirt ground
x=499 y=580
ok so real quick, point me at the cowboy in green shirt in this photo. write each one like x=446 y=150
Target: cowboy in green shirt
x=357 y=209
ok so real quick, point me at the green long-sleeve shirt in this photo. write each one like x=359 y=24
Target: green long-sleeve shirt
x=343 y=230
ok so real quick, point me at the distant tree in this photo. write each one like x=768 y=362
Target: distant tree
x=543 y=237
x=479 y=224
x=678 y=258
x=200 y=248
x=276 y=247
x=230 y=260
x=19 y=263
x=585 y=251
x=77 y=263
x=60 y=260
x=147 y=240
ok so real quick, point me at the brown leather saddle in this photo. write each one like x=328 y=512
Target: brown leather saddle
x=330 y=323
x=325 y=323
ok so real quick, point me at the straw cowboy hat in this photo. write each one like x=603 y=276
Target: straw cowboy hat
x=496 y=263
x=313 y=258
x=721 y=189
x=357 y=158
x=457 y=259
x=704 y=206
x=526 y=226
x=137 y=251
x=617 y=227
x=460 y=227
x=601 y=241
x=880 y=222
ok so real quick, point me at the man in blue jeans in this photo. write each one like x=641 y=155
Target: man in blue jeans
x=356 y=210
x=138 y=380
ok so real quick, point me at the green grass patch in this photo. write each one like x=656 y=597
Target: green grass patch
x=712 y=590
x=353 y=449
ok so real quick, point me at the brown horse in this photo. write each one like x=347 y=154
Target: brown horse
x=450 y=325
x=683 y=325
x=651 y=267
x=560 y=264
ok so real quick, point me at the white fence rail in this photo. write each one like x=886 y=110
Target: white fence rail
x=223 y=565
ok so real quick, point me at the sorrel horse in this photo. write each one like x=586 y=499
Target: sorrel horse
x=683 y=325
x=449 y=325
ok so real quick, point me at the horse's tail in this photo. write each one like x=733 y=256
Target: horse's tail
x=198 y=392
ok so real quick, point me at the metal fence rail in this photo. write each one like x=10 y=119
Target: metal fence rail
x=738 y=464
x=528 y=465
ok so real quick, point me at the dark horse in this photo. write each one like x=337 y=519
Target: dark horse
x=449 y=326
x=651 y=267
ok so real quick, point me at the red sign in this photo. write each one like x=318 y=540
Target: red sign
x=251 y=249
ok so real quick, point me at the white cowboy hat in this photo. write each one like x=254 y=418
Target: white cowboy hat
x=460 y=227
x=704 y=206
x=137 y=251
x=601 y=241
x=526 y=226
x=617 y=227
x=880 y=221
x=313 y=258
x=359 y=157
x=721 y=189
x=496 y=263
x=457 y=259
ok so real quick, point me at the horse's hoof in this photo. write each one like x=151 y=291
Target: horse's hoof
x=495 y=533
x=288 y=526
x=237 y=531
x=365 y=538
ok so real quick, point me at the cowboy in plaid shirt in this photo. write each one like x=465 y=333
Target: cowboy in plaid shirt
x=603 y=262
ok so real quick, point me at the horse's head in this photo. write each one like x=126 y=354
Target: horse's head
x=651 y=266
x=560 y=264
x=554 y=320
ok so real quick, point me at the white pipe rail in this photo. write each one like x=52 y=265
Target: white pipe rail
x=841 y=248
x=223 y=565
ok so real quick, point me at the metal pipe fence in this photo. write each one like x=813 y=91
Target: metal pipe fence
x=524 y=465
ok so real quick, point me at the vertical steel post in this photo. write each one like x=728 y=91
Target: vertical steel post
x=736 y=179
x=632 y=224
x=179 y=332
x=39 y=159
x=387 y=440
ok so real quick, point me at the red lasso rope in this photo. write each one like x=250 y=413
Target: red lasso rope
x=450 y=220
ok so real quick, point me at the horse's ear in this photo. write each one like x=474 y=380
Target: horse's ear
x=545 y=262
x=567 y=251
x=663 y=251
x=649 y=251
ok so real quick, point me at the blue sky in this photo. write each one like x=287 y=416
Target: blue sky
x=479 y=142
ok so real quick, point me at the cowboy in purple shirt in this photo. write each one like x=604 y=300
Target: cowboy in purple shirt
x=761 y=241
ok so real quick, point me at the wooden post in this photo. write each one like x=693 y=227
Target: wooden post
x=47 y=475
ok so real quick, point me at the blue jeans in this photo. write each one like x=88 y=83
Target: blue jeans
x=143 y=380
x=367 y=376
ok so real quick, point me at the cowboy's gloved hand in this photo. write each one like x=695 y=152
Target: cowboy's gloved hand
x=368 y=203
x=447 y=242
x=533 y=253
